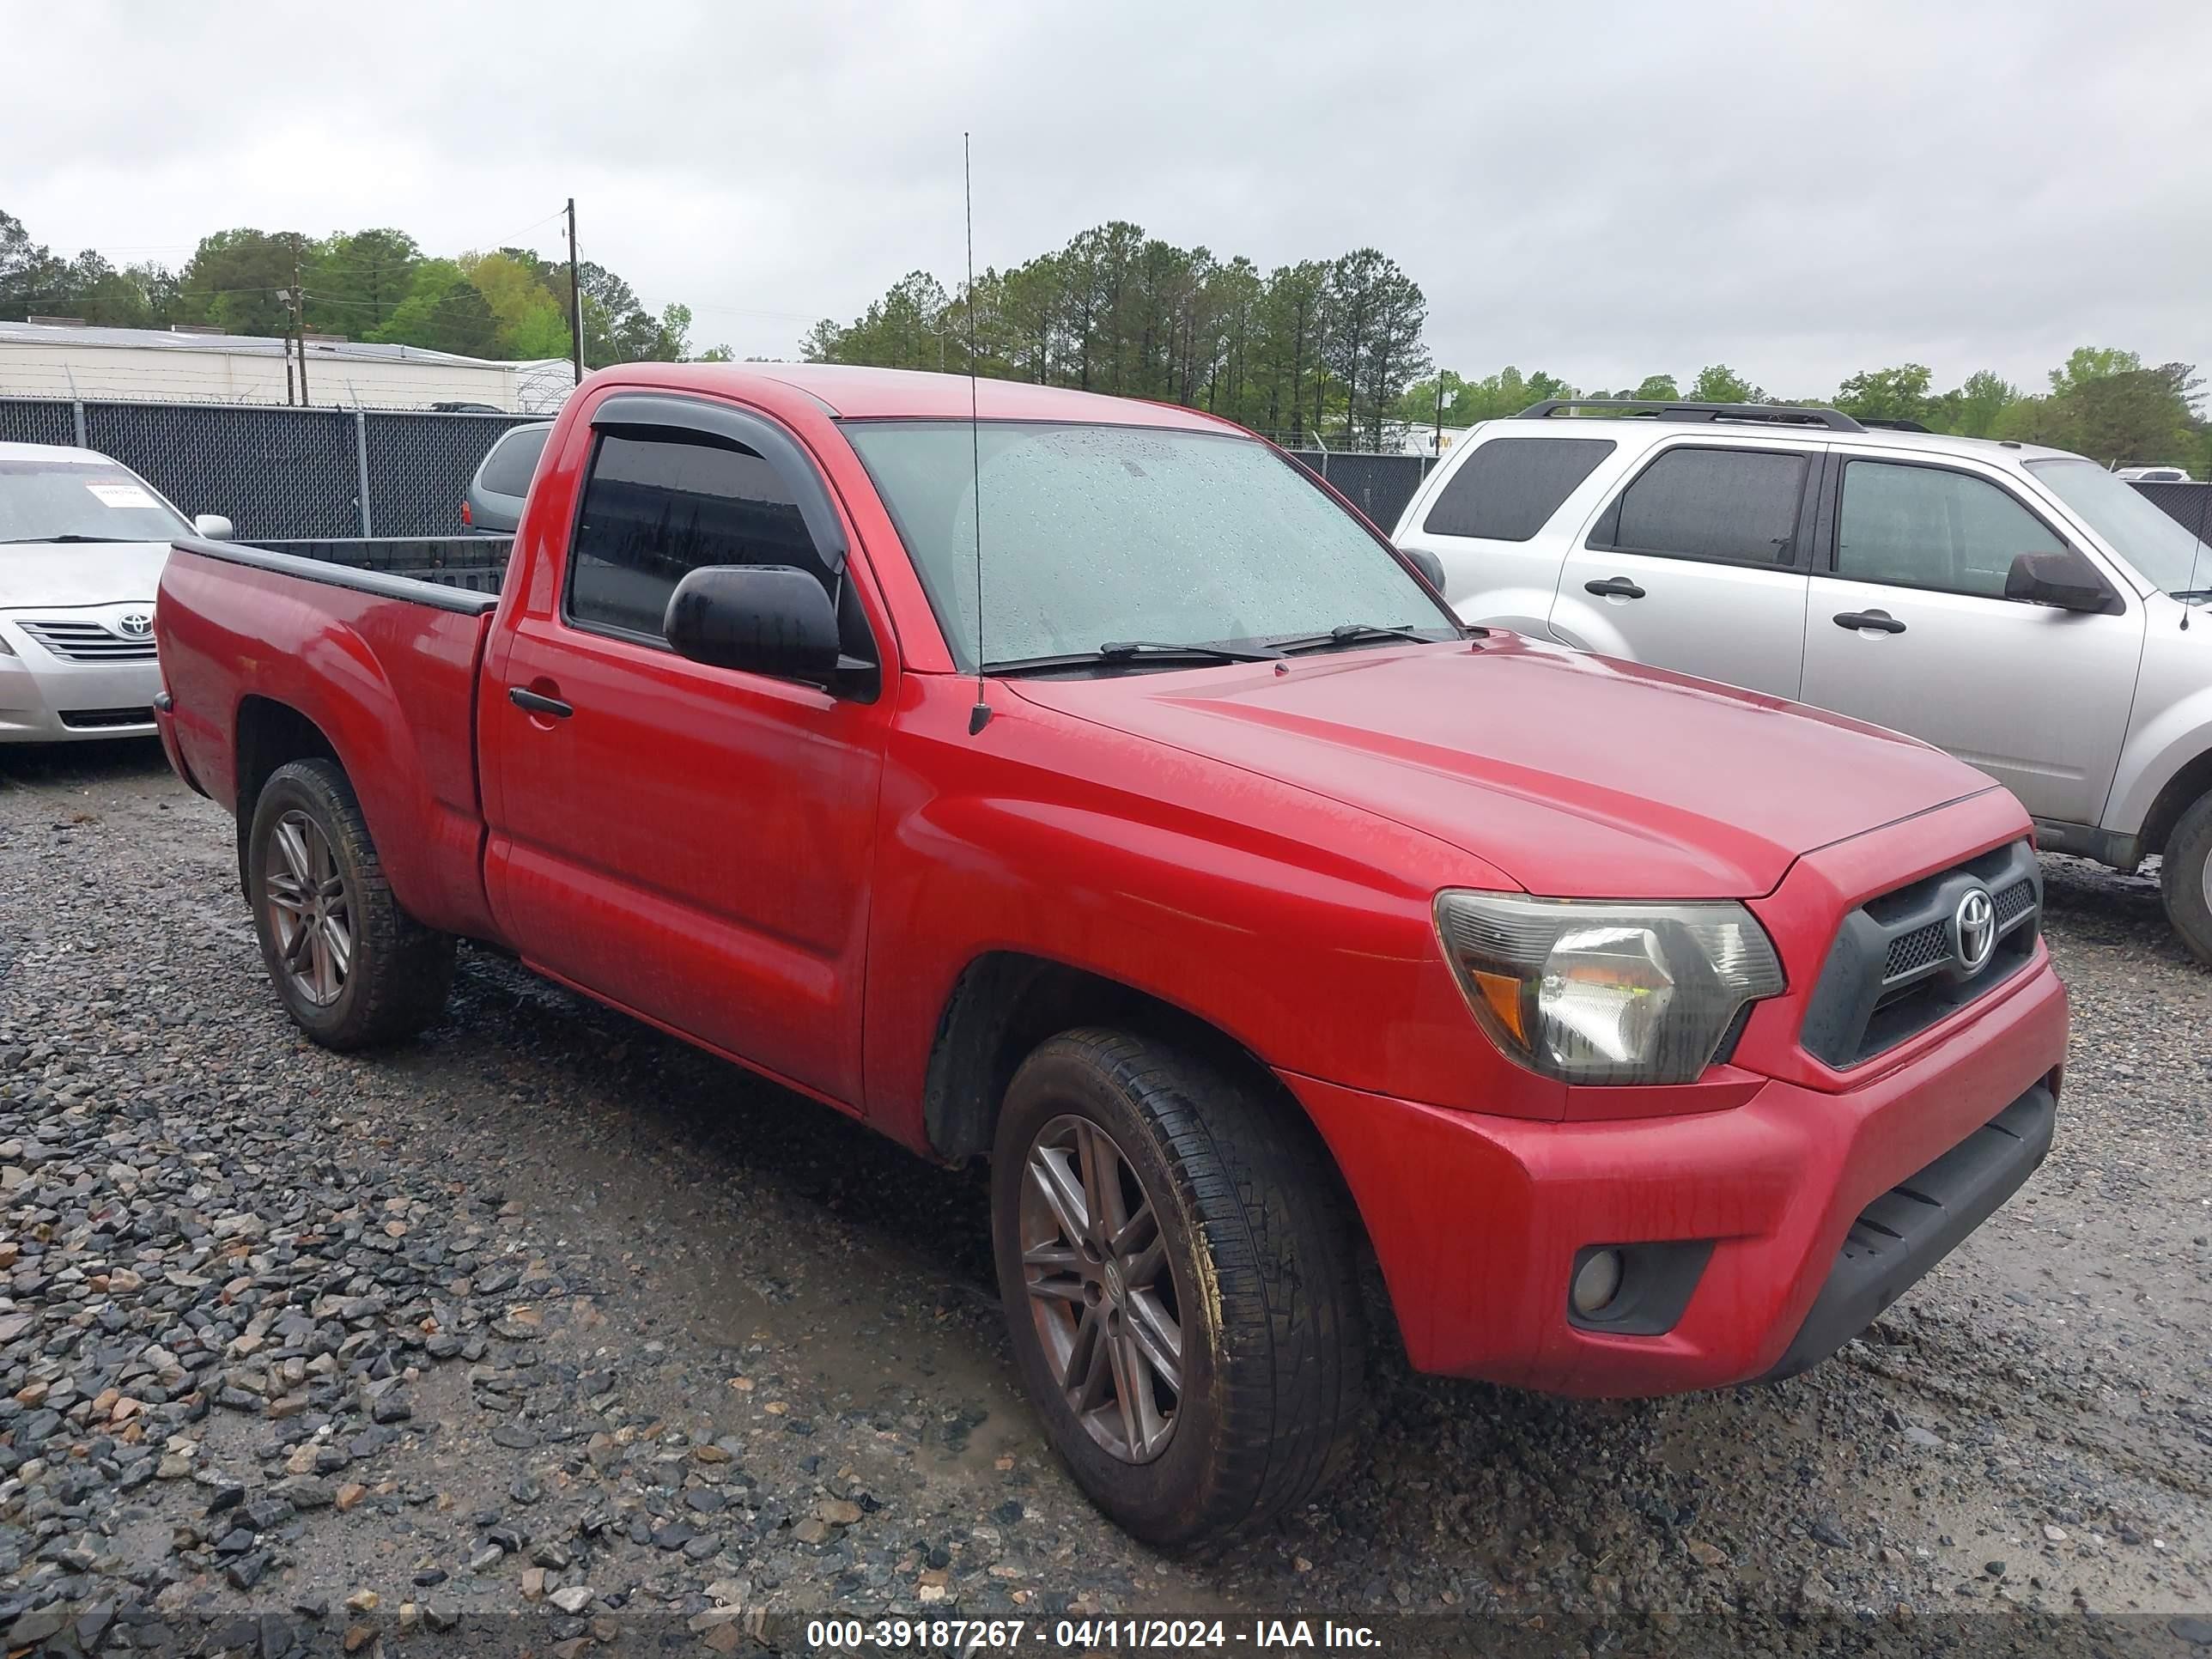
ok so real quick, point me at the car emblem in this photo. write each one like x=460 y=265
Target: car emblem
x=1974 y=928
x=136 y=625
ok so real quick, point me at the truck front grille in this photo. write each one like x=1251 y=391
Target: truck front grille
x=89 y=641
x=1897 y=966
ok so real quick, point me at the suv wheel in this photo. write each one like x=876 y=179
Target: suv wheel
x=352 y=968
x=1177 y=1266
x=2186 y=879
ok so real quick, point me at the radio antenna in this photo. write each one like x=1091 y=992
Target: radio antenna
x=980 y=715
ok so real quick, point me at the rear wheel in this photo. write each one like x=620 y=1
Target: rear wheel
x=352 y=968
x=2185 y=878
x=1177 y=1266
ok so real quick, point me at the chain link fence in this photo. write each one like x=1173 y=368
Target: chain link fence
x=2189 y=505
x=1378 y=485
x=303 y=474
x=279 y=473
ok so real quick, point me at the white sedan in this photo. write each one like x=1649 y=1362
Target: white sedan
x=83 y=541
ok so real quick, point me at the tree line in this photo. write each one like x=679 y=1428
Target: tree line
x=1321 y=345
x=376 y=285
x=2103 y=403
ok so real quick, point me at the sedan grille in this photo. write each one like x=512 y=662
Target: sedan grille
x=89 y=641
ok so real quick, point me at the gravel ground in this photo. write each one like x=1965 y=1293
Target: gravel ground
x=552 y=1333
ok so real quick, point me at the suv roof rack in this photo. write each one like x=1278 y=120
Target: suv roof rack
x=1887 y=424
x=1785 y=414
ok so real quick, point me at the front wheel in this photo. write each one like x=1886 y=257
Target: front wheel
x=1177 y=1270
x=352 y=968
x=2185 y=878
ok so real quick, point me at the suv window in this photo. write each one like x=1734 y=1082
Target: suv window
x=1927 y=526
x=657 y=507
x=1509 y=488
x=513 y=461
x=1698 y=502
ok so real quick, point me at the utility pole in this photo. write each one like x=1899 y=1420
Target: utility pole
x=575 y=298
x=300 y=320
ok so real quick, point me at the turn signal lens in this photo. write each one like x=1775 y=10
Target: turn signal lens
x=1601 y=992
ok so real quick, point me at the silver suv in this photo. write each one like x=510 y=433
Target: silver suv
x=2018 y=606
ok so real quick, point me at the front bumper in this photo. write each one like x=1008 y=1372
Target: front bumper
x=47 y=699
x=1478 y=1220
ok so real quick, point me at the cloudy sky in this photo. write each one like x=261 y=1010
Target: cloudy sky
x=1602 y=191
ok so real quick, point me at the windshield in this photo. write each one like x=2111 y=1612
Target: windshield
x=1095 y=534
x=43 y=501
x=2139 y=531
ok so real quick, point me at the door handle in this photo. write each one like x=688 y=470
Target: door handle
x=523 y=697
x=1615 y=588
x=1880 y=620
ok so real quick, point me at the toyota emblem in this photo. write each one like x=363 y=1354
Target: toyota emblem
x=136 y=625
x=1974 y=929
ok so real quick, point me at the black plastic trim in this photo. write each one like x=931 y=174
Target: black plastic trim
x=756 y=433
x=383 y=584
x=1683 y=409
x=2122 y=852
x=1918 y=1222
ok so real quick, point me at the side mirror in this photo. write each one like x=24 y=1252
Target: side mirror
x=1427 y=563
x=2065 y=581
x=764 y=618
x=214 y=527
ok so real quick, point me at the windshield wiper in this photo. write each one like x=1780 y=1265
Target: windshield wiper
x=1354 y=633
x=1116 y=651
x=1121 y=650
x=25 y=541
x=2191 y=595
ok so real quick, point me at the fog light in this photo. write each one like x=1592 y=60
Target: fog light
x=1597 y=1281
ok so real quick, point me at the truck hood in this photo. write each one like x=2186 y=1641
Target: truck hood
x=1578 y=776
x=57 y=575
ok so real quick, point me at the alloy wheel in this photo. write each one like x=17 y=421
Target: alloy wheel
x=310 y=914
x=1101 y=1289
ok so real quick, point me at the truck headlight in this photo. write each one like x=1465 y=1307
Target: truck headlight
x=1605 y=992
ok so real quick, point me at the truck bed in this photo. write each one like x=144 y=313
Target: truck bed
x=378 y=645
x=474 y=565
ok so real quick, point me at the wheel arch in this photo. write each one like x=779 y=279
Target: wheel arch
x=2175 y=798
x=1005 y=1003
x=269 y=734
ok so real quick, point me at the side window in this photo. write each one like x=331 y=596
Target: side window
x=1509 y=488
x=659 y=505
x=1739 y=506
x=513 y=461
x=1924 y=527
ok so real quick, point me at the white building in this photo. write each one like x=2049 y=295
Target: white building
x=67 y=360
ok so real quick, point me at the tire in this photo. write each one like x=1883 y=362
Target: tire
x=2184 y=880
x=1256 y=1267
x=394 y=978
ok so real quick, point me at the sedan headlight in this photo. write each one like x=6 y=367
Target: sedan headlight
x=1591 y=991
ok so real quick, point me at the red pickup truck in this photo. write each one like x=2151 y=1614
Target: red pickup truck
x=1088 y=789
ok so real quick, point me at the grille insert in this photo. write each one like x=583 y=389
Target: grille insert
x=89 y=641
x=1893 y=969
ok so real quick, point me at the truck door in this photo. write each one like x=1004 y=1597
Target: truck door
x=1908 y=627
x=1698 y=564
x=690 y=842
